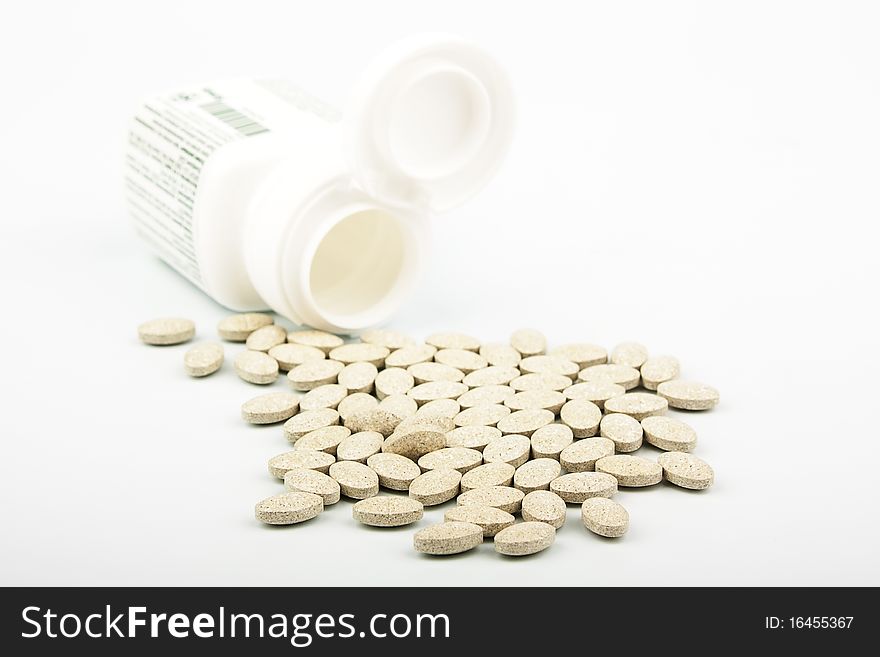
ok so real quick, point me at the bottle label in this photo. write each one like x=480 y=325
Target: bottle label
x=173 y=136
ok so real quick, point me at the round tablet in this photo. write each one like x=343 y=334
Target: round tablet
x=256 y=367
x=325 y=396
x=444 y=408
x=385 y=338
x=624 y=431
x=288 y=508
x=455 y=458
x=582 y=416
x=355 y=479
x=622 y=375
x=659 y=369
x=524 y=538
x=358 y=377
x=550 y=400
x=490 y=394
x=451 y=340
x=280 y=464
x=166 y=331
x=359 y=446
x=393 y=381
x=356 y=403
x=597 y=392
x=428 y=372
x=236 y=328
x=581 y=456
x=528 y=342
x=270 y=408
x=631 y=354
x=631 y=471
x=407 y=356
x=582 y=354
x=357 y=352
x=686 y=470
x=488 y=475
x=540 y=381
x=486 y=415
x=604 y=517
x=544 y=506
x=688 y=395
x=548 y=365
x=426 y=392
x=669 y=434
x=374 y=419
x=638 y=405
x=493 y=375
x=415 y=442
x=503 y=355
x=473 y=437
x=325 y=439
x=304 y=422
x=549 y=441
x=448 y=538
x=290 y=355
x=388 y=511
x=203 y=359
x=461 y=359
x=403 y=406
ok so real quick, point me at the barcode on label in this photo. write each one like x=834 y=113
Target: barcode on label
x=235 y=119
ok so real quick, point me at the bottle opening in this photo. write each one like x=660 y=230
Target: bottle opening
x=438 y=122
x=360 y=269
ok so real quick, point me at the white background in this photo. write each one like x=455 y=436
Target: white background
x=702 y=177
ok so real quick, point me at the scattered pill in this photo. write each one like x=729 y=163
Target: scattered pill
x=488 y=475
x=575 y=487
x=624 y=431
x=256 y=367
x=429 y=372
x=582 y=417
x=305 y=421
x=622 y=375
x=403 y=406
x=290 y=355
x=407 y=356
x=318 y=339
x=203 y=359
x=326 y=396
x=288 y=508
x=358 y=377
x=528 y=342
x=374 y=419
x=356 y=402
x=314 y=373
x=550 y=400
x=493 y=375
x=448 y=538
x=395 y=472
x=166 y=331
x=236 y=328
x=461 y=359
x=631 y=354
x=432 y=421
x=415 y=442
x=581 y=456
x=525 y=422
x=502 y=355
x=455 y=458
x=550 y=440
x=501 y=497
x=311 y=481
x=435 y=486
x=426 y=392
x=686 y=470
x=540 y=381
x=597 y=392
x=604 y=517
x=451 y=340
x=355 y=479
x=393 y=381
x=513 y=449
x=386 y=338
x=536 y=475
x=270 y=408
x=473 y=437
x=491 y=519
x=280 y=464
x=548 y=365
x=325 y=439
x=544 y=506
x=358 y=352
x=445 y=408
x=490 y=394
x=263 y=339
x=485 y=415
x=659 y=369
x=688 y=395
x=631 y=471
x=582 y=354
x=388 y=511
x=669 y=434
x=359 y=446
x=638 y=405
x=524 y=538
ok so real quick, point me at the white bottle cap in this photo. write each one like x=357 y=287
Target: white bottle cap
x=430 y=121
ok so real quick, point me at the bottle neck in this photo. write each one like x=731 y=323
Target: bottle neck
x=335 y=258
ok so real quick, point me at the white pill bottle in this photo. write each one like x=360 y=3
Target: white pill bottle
x=265 y=197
